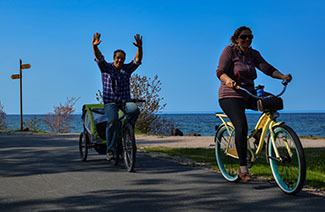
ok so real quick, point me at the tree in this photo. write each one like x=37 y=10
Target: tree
x=99 y=97
x=59 y=121
x=3 y=118
x=147 y=89
x=149 y=121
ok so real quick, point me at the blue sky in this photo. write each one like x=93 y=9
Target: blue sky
x=182 y=43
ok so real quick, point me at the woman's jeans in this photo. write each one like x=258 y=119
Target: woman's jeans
x=234 y=108
x=112 y=127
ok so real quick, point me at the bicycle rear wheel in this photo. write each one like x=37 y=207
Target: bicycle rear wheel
x=289 y=169
x=129 y=147
x=226 y=153
x=83 y=146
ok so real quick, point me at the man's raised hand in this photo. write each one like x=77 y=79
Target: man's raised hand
x=138 y=40
x=96 y=39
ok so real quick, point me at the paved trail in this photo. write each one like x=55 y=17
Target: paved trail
x=44 y=173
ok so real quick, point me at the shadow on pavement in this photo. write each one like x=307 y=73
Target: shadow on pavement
x=157 y=185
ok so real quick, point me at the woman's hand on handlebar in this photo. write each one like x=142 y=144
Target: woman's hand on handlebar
x=231 y=83
x=228 y=81
x=278 y=75
x=287 y=77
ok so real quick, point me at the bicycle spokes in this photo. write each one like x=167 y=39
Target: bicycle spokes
x=287 y=161
x=129 y=148
x=226 y=153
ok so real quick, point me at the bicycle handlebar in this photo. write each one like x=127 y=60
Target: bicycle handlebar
x=133 y=100
x=128 y=100
x=284 y=83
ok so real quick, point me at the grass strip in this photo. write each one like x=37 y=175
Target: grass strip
x=315 y=159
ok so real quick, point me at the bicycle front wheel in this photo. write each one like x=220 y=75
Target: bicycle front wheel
x=129 y=147
x=83 y=146
x=289 y=166
x=116 y=155
x=226 y=153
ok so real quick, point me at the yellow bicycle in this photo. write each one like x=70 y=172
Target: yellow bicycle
x=284 y=151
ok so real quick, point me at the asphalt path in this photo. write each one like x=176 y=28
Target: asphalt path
x=44 y=173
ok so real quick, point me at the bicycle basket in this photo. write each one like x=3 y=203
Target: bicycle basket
x=271 y=103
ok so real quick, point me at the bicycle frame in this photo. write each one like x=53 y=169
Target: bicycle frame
x=265 y=123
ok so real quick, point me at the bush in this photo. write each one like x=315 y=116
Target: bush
x=99 y=97
x=3 y=118
x=162 y=127
x=33 y=124
x=59 y=121
x=149 y=121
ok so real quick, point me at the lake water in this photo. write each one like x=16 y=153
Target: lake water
x=303 y=123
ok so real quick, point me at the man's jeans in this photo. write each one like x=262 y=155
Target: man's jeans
x=112 y=128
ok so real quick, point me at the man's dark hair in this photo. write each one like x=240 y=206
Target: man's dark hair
x=119 y=50
x=237 y=32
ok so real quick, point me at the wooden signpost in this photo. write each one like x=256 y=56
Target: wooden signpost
x=20 y=76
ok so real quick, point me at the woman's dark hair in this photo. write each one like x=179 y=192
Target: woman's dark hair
x=237 y=32
x=119 y=50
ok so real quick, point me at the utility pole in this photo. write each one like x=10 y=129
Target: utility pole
x=20 y=76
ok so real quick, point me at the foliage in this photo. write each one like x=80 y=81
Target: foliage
x=162 y=126
x=33 y=124
x=59 y=121
x=149 y=121
x=99 y=97
x=3 y=119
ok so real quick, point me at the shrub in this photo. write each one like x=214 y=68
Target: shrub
x=99 y=97
x=3 y=118
x=33 y=124
x=59 y=121
x=149 y=121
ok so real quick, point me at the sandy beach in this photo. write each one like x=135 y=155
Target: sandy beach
x=201 y=141
x=166 y=141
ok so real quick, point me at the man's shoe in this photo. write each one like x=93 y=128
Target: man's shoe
x=110 y=156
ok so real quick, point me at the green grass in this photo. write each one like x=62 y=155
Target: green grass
x=315 y=159
x=18 y=130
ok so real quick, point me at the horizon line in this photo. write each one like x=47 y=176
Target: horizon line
x=196 y=112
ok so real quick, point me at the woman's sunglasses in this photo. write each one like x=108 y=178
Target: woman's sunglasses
x=250 y=37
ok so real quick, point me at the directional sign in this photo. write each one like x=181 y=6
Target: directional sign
x=25 y=66
x=15 y=76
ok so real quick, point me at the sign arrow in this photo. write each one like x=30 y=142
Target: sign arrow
x=15 y=76
x=25 y=66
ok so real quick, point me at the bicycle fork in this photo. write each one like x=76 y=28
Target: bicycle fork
x=276 y=151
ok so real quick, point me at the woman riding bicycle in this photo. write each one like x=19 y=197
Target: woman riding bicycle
x=236 y=67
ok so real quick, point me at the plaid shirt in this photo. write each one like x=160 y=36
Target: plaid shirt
x=116 y=86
